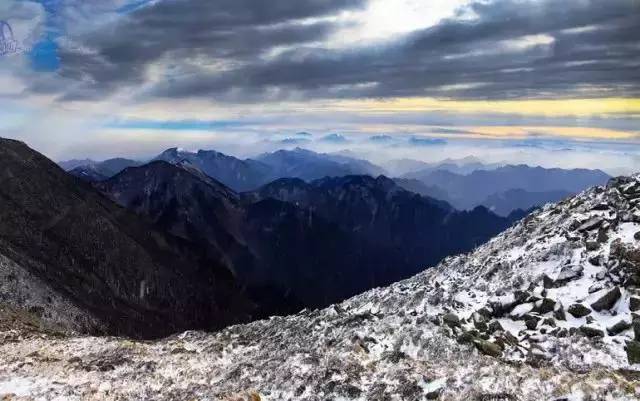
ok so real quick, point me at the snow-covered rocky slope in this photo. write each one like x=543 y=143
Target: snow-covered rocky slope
x=544 y=311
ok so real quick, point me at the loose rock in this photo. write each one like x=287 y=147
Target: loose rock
x=608 y=300
x=488 y=348
x=618 y=328
x=591 y=332
x=633 y=351
x=578 y=310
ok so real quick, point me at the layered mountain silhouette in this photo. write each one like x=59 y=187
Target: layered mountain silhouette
x=468 y=191
x=504 y=203
x=303 y=244
x=249 y=174
x=464 y=183
x=72 y=257
x=238 y=174
x=463 y=166
x=419 y=187
x=308 y=165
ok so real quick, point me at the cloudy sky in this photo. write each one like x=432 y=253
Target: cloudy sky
x=535 y=81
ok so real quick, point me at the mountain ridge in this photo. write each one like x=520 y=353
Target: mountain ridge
x=547 y=310
x=368 y=232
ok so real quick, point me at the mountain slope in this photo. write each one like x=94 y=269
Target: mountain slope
x=416 y=230
x=299 y=245
x=125 y=277
x=500 y=323
x=288 y=257
x=196 y=208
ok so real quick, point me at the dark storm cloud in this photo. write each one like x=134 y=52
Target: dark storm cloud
x=593 y=51
x=188 y=35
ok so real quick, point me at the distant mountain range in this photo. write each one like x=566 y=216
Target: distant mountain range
x=464 y=183
x=463 y=166
x=296 y=244
x=487 y=186
x=308 y=165
x=90 y=170
x=239 y=174
x=504 y=203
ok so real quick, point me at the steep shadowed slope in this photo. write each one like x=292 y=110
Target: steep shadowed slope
x=413 y=230
x=126 y=277
x=288 y=257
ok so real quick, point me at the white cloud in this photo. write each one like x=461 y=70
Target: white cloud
x=385 y=19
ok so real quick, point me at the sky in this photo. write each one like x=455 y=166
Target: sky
x=540 y=82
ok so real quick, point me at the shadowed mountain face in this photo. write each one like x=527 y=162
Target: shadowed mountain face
x=124 y=275
x=303 y=245
x=467 y=191
x=417 y=231
x=287 y=256
x=196 y=208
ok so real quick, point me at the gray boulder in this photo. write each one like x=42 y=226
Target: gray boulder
x=578 y=310
x=608 y=300
x=618 y=328
x=591 y=332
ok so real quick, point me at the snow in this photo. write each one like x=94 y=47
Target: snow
x=522 y=310
x=17 y=386
x=392 y=343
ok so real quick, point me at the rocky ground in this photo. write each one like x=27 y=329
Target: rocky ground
x=548 y=310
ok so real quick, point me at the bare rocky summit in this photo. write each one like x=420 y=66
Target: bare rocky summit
x=548 y=310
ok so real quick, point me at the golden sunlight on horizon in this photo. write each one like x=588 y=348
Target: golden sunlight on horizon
x=542 y=107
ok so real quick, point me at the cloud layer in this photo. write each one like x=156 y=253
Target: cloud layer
x=534 y=79
x=252 y=50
